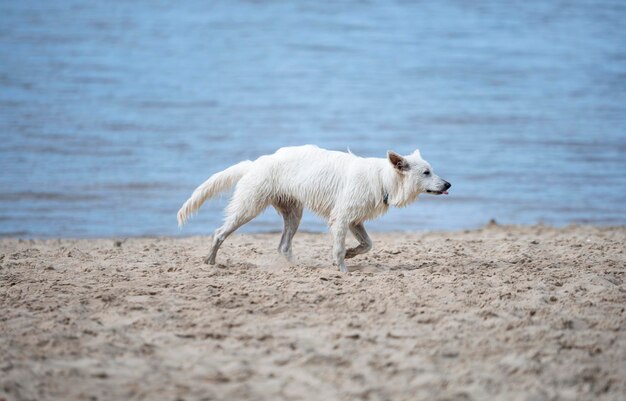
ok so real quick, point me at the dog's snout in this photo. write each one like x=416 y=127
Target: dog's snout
x=447 y=185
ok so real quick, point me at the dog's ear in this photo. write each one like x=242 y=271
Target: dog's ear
x=398 y=162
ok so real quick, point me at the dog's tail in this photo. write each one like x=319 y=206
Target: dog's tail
x=217 y=183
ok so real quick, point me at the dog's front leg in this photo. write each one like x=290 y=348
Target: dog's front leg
x=339 y=230
x=365 y=243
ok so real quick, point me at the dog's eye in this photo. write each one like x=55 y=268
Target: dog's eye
x=427 y=172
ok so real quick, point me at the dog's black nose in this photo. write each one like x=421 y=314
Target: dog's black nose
x=447 y=185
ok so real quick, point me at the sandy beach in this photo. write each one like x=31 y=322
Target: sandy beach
x=502 y=312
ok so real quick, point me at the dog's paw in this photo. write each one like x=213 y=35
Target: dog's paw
x=350 y=253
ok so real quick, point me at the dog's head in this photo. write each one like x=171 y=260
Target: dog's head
x=418 y=176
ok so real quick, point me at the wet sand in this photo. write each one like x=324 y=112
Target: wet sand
x=511 y=313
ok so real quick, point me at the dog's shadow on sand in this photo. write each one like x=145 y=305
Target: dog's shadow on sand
x=355 y=267
x=379 y=268
x=272 y=262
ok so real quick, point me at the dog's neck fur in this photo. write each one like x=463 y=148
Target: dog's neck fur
x=394 y=191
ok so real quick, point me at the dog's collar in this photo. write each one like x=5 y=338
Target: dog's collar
x=386 y=198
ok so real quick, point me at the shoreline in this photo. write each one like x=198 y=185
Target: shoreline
x=499 y=312
x=490 y=224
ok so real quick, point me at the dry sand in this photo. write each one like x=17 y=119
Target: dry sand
x=508 y=313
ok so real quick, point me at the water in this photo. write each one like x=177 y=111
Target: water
x=111 y=113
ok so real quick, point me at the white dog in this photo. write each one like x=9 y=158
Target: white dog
x=343 y=188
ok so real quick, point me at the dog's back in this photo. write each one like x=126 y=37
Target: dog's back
x=315 y=177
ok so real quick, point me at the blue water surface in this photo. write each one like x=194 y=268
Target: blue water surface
x=111 y=113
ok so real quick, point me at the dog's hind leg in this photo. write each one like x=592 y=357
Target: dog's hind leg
x=292 y=214
x=220 y=235
x=339 y=229
x=239 y=211
x=365 y=243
